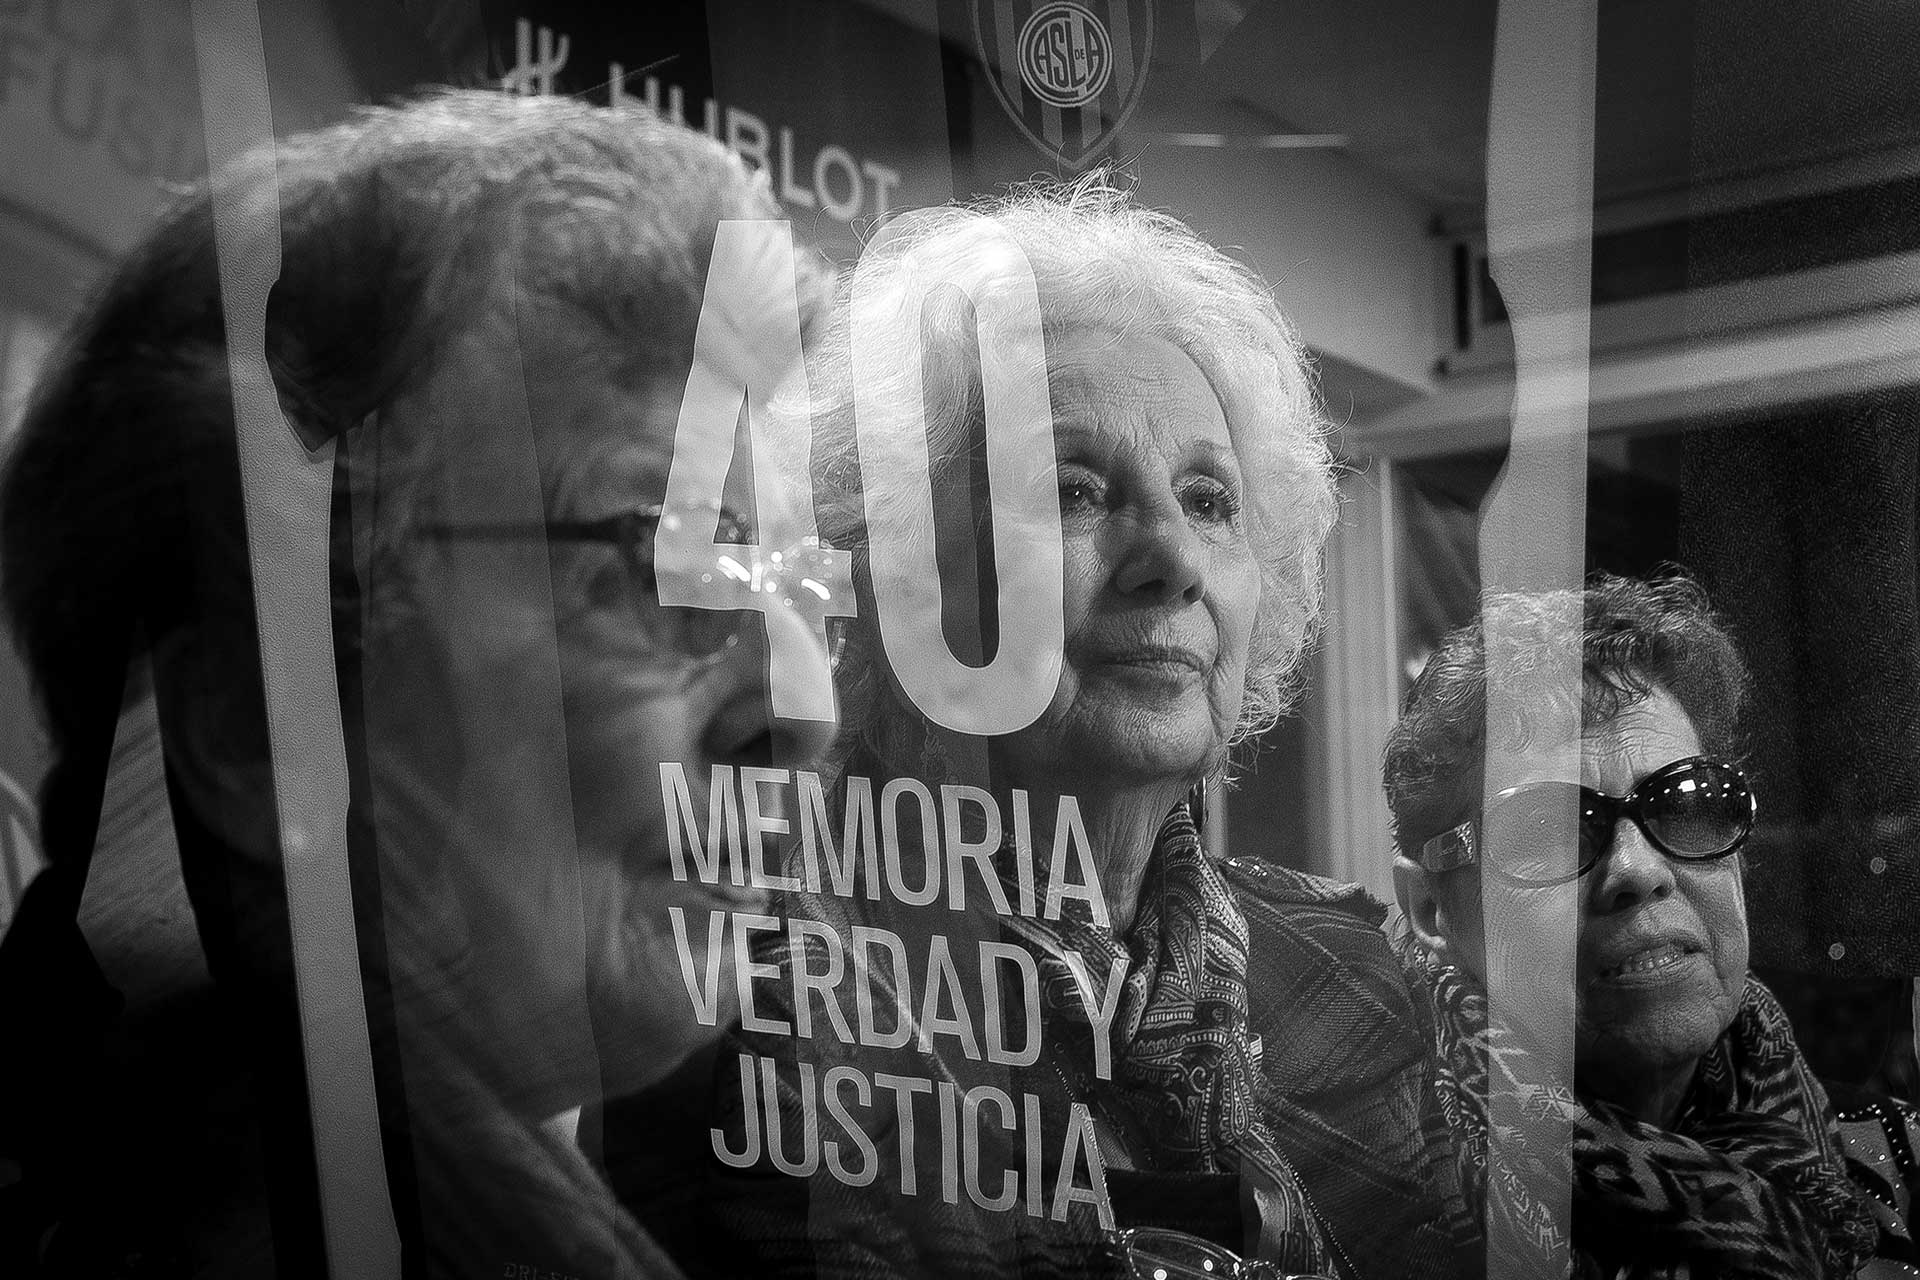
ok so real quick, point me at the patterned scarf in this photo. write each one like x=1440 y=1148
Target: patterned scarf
x=1749 y=1182
x=1186 y=1067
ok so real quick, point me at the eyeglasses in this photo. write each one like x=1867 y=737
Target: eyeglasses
x=1695 y=810
x=802 y=577
x=1160 y=1253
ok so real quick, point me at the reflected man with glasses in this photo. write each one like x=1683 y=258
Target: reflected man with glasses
x=1702 y=1144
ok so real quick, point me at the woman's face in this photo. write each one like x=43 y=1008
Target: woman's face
x=571 y=687
x=1161 y=587
x=1661 y=955
x=632 y=702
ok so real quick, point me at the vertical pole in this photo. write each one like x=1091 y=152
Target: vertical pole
x=1533 y=536
x=288 y=494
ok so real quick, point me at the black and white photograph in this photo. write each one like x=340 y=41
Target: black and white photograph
x=959 y=639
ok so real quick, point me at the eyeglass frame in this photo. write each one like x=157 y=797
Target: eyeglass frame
x=1234 y=1267
x=1459 y=846
x=631 y=534
x=627 y=531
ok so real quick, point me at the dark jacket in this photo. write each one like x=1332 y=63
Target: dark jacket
x=1345 y=1065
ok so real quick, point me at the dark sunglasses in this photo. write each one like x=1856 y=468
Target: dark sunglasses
x=802 y=577
x=1160 y=1253
x=1694 y=810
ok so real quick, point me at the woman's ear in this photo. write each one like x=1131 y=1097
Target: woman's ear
x=1421 y=904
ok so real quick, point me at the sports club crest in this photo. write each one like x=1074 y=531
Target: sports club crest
x=1068 y=72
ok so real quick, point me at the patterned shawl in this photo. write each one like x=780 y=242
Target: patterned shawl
x=1748 y=1182
x=1186 y=1064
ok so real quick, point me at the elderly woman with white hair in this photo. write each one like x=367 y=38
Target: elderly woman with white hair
x=1115 y=1054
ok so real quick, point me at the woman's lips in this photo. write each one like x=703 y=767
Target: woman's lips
x=1153 y=657
x=1649 y=962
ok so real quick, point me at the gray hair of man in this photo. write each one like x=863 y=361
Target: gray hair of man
x=1102 y=263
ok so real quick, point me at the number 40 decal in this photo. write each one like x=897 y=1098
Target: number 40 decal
x=747 y=344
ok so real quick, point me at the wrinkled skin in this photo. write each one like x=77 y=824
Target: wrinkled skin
x=1661 y=952
x=1161 y=590
x=533 y=695
x=1161 y=584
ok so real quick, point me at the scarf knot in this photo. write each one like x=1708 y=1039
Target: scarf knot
x=1183 y=1059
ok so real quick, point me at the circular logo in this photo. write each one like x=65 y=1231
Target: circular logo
x=1066 y=56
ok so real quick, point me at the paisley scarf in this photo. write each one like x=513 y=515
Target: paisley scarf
x=1748 y=1182
x=1186 y=1068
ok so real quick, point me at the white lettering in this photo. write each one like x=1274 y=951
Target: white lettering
x=845 y=209
x=1101 y=1006
x=956 y=1021
x=884 y=181
x=705 y=995
x=865 y=938
x=799 y=197
x=1081 y=1146
x=807 y=984
x=809 y=1124
x=970 y=1148
x=993 y=1019
x=903 y=1089
x=1070 y=840
x=830 y=1087
x=749 y=1154
x=747 y=137
x=723 y=813
x=929 y=842
x=857 y=833
x=761 y=825
x=978 y=850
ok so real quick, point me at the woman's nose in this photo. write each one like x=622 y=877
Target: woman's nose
x=1163 y=557
x=1631 y=871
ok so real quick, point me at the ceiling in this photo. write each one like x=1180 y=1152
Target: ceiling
x=1688 y=91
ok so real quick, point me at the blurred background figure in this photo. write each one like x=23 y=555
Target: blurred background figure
x=1702 y=1141
x=488 y=305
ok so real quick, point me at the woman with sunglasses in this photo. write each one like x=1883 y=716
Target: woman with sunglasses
x=1701 y=1142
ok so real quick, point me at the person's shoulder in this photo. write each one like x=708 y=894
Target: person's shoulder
x=1314 y=924
x=1327 y=975
x=1880 y=1138
x=1303 y=897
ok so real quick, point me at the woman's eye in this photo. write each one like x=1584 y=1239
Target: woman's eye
x=1080 y=492
x=1211 y=502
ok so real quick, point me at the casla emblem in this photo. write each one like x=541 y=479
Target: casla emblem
x=1067 y=72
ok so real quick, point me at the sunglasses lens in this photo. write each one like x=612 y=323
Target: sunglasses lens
x=1701 y=809
x=1526 y=834
x=1695 y=808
